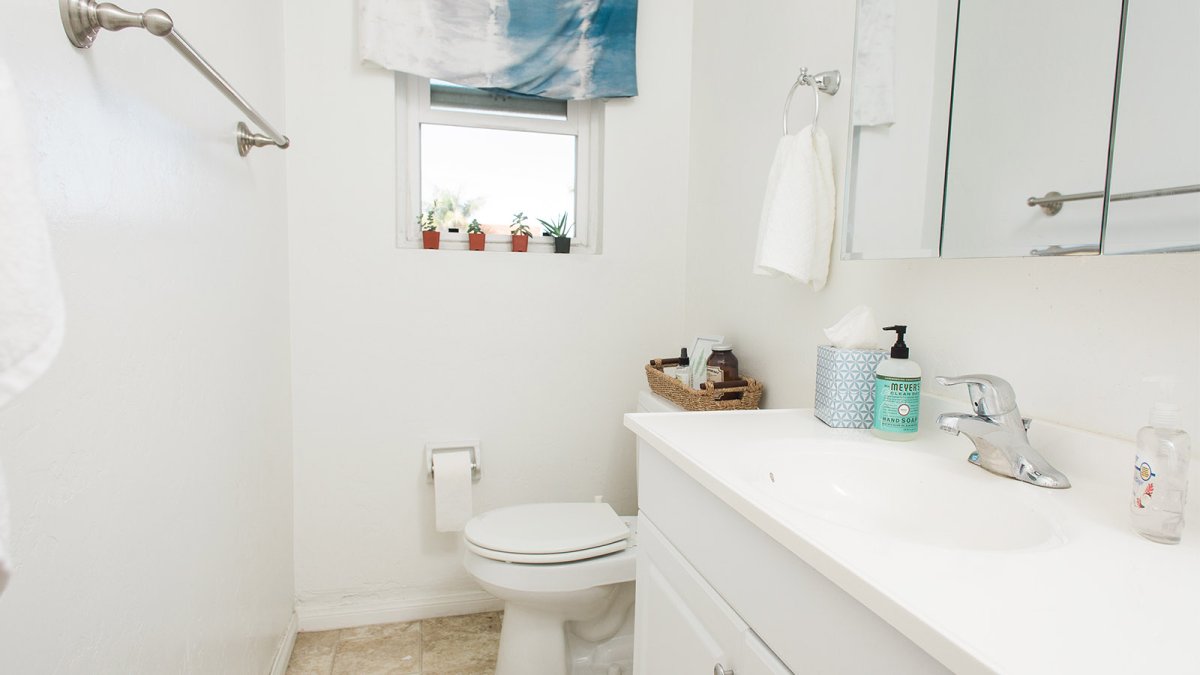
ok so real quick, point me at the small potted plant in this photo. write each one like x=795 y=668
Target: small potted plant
x=520 y=233
x=560 y=231
x=476 y=237
x=430 y=237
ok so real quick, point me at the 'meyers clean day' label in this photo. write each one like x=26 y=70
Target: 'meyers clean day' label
x=897 y=403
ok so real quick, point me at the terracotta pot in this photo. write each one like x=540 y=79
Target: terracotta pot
x=431 y=238
x=562 y=244
x=520 y=243
x=475 y=242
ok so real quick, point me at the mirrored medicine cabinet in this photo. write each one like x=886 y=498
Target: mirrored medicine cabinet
x=1028 y=128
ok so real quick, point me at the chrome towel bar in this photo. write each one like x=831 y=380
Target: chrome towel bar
x=1052 y=203
x=83 y=19
x=1093 y=249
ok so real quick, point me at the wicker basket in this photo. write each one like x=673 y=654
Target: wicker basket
x=743 y=397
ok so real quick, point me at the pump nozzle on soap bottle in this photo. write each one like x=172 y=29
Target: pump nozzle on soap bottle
x=899 y=350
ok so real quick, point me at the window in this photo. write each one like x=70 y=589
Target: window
x=470 y=154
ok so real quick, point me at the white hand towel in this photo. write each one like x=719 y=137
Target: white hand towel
x=795 y=233
x=874 y=99
x=31 y=312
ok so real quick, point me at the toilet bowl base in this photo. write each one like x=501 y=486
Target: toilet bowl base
x=559 y=634
x=531 y=641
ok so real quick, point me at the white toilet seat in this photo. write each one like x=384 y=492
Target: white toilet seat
x=547 y=533
x=548 y=558
x=613 y=568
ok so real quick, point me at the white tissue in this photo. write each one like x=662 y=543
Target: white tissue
x=452 y=490
x=856 y=330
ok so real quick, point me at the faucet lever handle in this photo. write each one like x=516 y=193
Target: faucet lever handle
x=990 y=395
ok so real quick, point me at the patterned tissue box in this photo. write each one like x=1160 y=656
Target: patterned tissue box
x=846 y=386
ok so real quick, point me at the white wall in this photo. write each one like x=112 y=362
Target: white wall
x=149 y=469
x=1073 y=335
x=397 y=347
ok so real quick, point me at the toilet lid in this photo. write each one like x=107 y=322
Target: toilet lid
x=542 y=529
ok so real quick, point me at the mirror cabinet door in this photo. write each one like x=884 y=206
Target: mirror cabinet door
x=1032 y=111
x=1156 y=139
x=895 y=172
x=1000 y=107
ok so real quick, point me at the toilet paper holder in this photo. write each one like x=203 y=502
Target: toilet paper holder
x=472 y=447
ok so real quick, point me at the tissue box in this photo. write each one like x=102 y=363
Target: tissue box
x=846 y=386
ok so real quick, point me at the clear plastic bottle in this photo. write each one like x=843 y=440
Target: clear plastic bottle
x=1160 y=477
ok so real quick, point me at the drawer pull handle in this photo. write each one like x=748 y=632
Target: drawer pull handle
x=722 y=670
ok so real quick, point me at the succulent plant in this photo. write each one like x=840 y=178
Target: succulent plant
x=520 y=224
x=557 y=228
x=426 y=221
x=474 y=227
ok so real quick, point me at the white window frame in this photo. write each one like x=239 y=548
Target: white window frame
x=585 y=121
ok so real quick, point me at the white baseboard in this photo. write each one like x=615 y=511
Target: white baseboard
x=316 y=617
x=284 y=653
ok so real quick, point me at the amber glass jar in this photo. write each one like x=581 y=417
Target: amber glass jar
x=722 y=365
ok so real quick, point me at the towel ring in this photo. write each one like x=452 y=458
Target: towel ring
x=827 y=82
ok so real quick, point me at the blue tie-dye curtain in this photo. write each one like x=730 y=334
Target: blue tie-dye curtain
x=562 y=49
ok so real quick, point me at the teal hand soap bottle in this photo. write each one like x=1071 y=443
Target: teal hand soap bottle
x=897 y=393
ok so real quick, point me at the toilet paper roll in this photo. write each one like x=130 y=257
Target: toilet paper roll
x=452 y=490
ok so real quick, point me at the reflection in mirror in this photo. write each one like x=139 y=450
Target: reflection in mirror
x=1033 y=87
x=1156 y=140
x=1035 y=142
x=895 y=172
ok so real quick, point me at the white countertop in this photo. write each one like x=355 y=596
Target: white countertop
x=1096 y=599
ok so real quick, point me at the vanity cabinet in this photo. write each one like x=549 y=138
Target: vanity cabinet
x=713 y=589
x=773 y=543
x=683 y=624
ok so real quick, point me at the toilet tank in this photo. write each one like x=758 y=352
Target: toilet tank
x=650 y=402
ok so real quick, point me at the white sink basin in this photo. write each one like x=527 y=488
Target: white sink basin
x=897 y=493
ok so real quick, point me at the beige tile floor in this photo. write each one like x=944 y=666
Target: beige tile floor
x=455 y=645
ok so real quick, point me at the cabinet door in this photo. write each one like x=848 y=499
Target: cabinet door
x=682 y=625
x=670 y=637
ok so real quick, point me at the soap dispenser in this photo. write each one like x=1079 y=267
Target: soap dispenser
x=1160 y=474
x=897 y=393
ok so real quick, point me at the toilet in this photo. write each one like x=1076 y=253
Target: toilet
x=565 y=573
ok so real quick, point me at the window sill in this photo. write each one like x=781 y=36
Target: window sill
x=494 y=243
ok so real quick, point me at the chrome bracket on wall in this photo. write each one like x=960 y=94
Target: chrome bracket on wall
x=1052 y=202
x=83 y=19
x=827 y=82
x=471 y=447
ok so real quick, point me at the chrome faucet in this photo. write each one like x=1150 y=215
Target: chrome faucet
x=998 y=432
